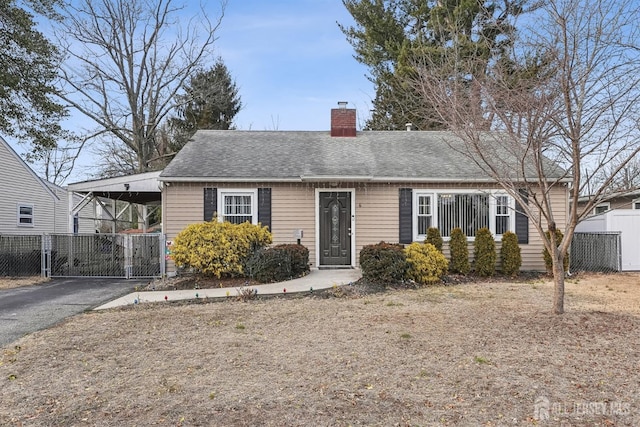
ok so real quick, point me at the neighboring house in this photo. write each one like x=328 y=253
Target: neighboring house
x=618 y=200
x=620 y=213
x=338 y=191
x=29 y=204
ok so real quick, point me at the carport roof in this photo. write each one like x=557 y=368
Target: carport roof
x=142 y=188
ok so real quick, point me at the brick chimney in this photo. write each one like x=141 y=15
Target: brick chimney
x=343 y=120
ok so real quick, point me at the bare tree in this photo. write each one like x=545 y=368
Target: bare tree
x=568 y=95
x=126 y=60
x=626 y=180
x=55 y=164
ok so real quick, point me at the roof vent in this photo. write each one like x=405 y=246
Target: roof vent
x=409 y=127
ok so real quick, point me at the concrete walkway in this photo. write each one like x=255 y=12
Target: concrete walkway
x=316 y=279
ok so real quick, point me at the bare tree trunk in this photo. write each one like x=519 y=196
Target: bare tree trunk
x=558 y=283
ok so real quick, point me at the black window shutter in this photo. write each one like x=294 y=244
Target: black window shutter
x=406 y=215
x=210 y=203
x=264 y=207
x=522 y=221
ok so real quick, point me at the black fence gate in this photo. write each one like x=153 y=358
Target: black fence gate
x=83 y=255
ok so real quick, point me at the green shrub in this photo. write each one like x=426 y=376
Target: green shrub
x=299 y=255
x=548 y=263
x=434 y=237
x=383 y=263
x=426 y=263
x=282 y=262
x=484 y=252
x=459 y=250
x=510 y=256
x=218 y=248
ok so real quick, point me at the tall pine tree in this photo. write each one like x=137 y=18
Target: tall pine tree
x=210 y=101
x=389 y=34
x=28 y=69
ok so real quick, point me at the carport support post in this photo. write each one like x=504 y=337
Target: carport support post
x=145 y=216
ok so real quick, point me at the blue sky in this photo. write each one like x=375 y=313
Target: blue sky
x=290 y=61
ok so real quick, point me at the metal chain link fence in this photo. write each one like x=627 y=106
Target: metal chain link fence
x=106 y=255
x=20 y=255
x=596 y=252
x=91 y=255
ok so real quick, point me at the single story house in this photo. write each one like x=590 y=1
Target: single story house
x=29 y=204
x=339 y=190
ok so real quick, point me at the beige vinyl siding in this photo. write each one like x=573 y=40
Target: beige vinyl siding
x=532 y=253
x=293 y=206
x=20 y=186
x=377 y=215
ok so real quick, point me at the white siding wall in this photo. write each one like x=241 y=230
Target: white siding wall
x=18 y=185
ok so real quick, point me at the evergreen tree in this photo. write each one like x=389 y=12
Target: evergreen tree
x=210 y=101
x=389 y=35
x=28 y=67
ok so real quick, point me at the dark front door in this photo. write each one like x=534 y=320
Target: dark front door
x=335 y=228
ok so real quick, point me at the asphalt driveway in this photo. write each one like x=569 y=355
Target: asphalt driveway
x=32 y=308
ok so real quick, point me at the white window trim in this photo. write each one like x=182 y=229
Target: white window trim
x=414 y=212
x=634 y=203
x=253 y=192
x=434 y=210
x=607 y=204
x=32 y=216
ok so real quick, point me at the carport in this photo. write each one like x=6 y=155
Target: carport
x=139 y=191
x=103 y=240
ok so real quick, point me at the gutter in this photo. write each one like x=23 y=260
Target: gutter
x=337 y=178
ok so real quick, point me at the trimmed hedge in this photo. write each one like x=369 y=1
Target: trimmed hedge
x=459 y=251
x=383 y=263
x=510 y=257
x=484 y=251
x=427 y=265
x=434 y=237
x=279 y=263
x=218 y=248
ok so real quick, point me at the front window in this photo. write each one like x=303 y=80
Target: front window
x=425 y=215
x=238 y=207
x=636 y=204
x=25 y=215
x=502 y=214
x=467 y=211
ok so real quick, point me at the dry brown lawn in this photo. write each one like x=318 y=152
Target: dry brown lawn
x=18 y=282
x=469 y=354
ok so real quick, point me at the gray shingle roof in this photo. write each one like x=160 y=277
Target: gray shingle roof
x=304 y=155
